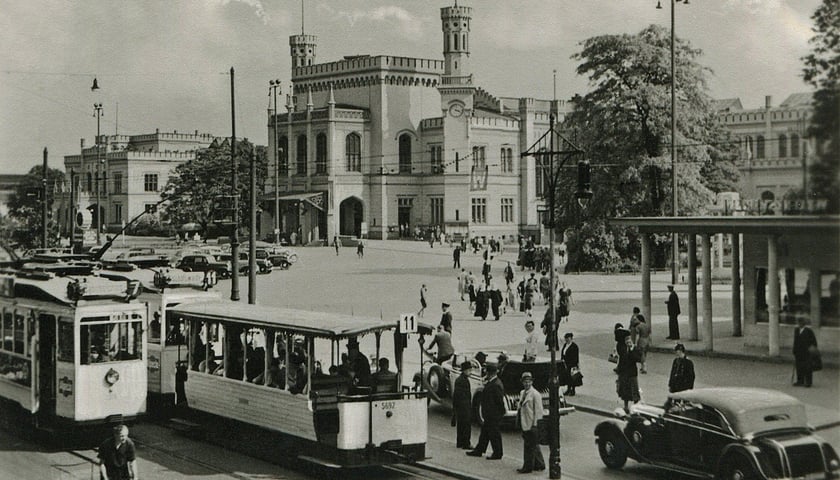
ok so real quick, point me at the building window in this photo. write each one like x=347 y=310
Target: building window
x=507 y=210
x=794 y=294
x=118 y=212
x=507 y=160
x=283 y=146
x=321 y=154
x=782 y=146
x=479 y=210
x=117 y=182
x=150 y=208
x=437 y=158
x=405 y=153
x=150 y=182
x=437 y=210
x=353 y=152
x=759 y=147
x=479 y=158
x=794 y=145
x=543 y=176
x=301 y=155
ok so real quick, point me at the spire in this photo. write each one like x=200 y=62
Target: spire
x=331 y=101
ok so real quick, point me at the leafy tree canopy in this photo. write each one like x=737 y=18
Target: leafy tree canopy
x=25 y=208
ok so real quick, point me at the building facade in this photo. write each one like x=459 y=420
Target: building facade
x=388 y=146
x=130 y=172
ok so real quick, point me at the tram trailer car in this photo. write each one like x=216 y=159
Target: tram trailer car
x=72 y=352
x=332 y=421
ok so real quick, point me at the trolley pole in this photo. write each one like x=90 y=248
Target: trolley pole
x=234 y=236
x=44 y=201
x=273 y=86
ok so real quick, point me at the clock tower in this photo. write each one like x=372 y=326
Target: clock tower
x=456 y=84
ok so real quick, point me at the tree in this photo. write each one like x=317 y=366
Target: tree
x=25 y=208
x=623 y=124
x=193 y=188
x=822 y=70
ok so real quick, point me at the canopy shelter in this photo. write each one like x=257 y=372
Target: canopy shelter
x=316 y=199
x=807 y=243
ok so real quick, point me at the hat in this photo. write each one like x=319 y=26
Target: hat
x=526 y=375
x=670 y=287
x=490 y=368
x=466 y=365
x=568 y=335
x=680 y=347
x=502 y=357
x=444 y=305
x=481 y=356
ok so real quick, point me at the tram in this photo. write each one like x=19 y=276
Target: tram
x=73 y=350
x=283 y=371
x=163 y=289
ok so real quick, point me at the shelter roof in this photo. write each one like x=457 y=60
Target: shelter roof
x=734 y=224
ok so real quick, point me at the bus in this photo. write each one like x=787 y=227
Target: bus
x=283 y=371
x=73 y=350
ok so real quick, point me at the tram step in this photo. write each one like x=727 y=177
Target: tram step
x=318 y=461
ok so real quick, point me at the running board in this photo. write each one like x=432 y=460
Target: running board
x=318 y=461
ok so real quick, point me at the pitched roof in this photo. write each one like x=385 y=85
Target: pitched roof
x=803 y=99
x=727 y=105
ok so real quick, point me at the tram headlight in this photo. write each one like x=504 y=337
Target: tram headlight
x=112 y=377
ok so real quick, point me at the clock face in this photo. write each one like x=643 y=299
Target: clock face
x=456 y=109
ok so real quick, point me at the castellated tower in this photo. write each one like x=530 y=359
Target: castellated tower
x=302 y=50
x=456 y=39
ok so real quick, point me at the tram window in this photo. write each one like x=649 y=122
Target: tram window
x=15 y=369
x=111 y=342
x=30 y=329
x=154 y=328
x=8 y=330
x=65 y=341
x=176 y=330
x=19 y=337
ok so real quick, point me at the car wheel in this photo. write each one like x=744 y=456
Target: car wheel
x=478 y=415
x=293 y=258
x=284 y=265
x=736 y=468
x=437 y=381
x=612 y=450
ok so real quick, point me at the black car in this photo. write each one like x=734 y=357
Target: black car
x=724 y=433
x=202 y=262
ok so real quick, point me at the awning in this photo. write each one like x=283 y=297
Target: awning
x=316 y=199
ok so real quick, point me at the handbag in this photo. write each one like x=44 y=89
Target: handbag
x=613 y=358
x=542 y=432
x=577 y=378
x=816 y=359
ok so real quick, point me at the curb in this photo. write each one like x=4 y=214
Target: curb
x=448 y=471
x=740 y=356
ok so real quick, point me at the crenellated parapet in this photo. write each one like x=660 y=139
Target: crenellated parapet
x=352 y=66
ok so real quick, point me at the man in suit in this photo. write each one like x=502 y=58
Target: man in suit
x=803 y=340
x=570 y=357
x=493 y=410
x=530 y=412
x=673 y=312
x=462 y=406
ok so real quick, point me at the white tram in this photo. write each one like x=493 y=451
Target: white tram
x=73 y=350
x=162 y=290
x=280 y=370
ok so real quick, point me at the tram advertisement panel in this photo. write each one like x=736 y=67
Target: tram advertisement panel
x=65 y=401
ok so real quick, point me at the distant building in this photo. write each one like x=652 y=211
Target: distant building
x=132 y=170
x=8 y=184
x=775 y=149
x=386 y=146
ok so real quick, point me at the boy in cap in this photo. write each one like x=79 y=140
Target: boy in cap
x=462 y=406
x=530 y=412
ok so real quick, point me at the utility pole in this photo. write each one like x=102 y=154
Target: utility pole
x=273 y=86
x=97 y=112
x=234 y=237
x=252 y=232
x=44 y=201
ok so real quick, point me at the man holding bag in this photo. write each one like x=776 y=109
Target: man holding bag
x=530 y=412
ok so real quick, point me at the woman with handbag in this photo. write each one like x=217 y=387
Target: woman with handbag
x=570 y=356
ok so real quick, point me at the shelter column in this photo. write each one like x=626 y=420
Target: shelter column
x=736 y=285
x=773 y=294
x=719 y=245
x=708 y=331
x=692 y=287
x=646 y=279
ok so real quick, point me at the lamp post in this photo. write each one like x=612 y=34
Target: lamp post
x=583 y=195
x=675 y=247
x=234 y=237
x=273 y=85
x=44 y=202
x=97 y=112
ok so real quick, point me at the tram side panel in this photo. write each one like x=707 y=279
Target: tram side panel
x=397 y=421
x=94 y=398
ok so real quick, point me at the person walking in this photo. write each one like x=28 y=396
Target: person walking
x=682 y=371
x=482 y=302
x=529 y=413
x=641 y=332
x=627 y=385
x=493 y=410
x=804 y=343
x=360 y=248
x=565 y=301
x=456 y=257
x=570 y=356
x=117 y=456
x=496 y=300
x=462 y=407
x=508 y=274
x=634 y=320
x=462 y=283
x=336 y=244
x=423 y=292
x=532 y=343
x=471 y=289
x=673 y=303
x=446 y=317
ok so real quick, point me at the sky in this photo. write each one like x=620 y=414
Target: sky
x=165 y=64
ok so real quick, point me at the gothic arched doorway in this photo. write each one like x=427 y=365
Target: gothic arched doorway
x=351 y=216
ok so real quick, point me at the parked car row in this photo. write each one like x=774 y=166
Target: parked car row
x=219 y=259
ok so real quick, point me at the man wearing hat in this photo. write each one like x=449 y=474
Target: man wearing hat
x=462 y=406
x=446 y=318
x=530 y=412
x=673 y=303
x=682 y=371
x=493 y=410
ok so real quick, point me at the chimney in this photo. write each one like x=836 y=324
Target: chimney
x=82 y=142
x=768 y=102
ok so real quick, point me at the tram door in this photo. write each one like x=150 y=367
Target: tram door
x=46 y=363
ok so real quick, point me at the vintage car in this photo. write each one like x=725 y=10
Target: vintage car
x=440 y=381
x=143 y=257
x=262 y=262
x=200 y=262
x=281 y=257
x=725 y=433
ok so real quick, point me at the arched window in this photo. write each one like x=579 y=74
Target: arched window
x=405 y=153
x=283 y=157
x=353 y=152
x=768 y=196
x=794 y=145
x=759 y=146
x=321 y=154
x=749 y=148
x=301 y=155
x=782 y=146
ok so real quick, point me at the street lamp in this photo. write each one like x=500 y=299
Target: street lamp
x=675 y=247
x=273 y=86
x=583 y=194
x=97 y=112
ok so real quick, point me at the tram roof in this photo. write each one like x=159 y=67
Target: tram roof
x=317 y=324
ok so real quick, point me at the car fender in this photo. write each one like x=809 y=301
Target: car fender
x=616 y=427
x=744 y=452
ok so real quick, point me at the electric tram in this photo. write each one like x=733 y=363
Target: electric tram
x=72 y=352
x=163 y=289
x=284 y=371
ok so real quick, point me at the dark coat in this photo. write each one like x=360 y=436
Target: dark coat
x=571 y=356
x=446 y=321
x=803 y=339
x=627 y=360
x=493 y=401
x=673 y=304
x=682 y=375
x=462 y=398
x=456 y=254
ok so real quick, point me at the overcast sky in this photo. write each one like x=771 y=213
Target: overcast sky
x=164 y=64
